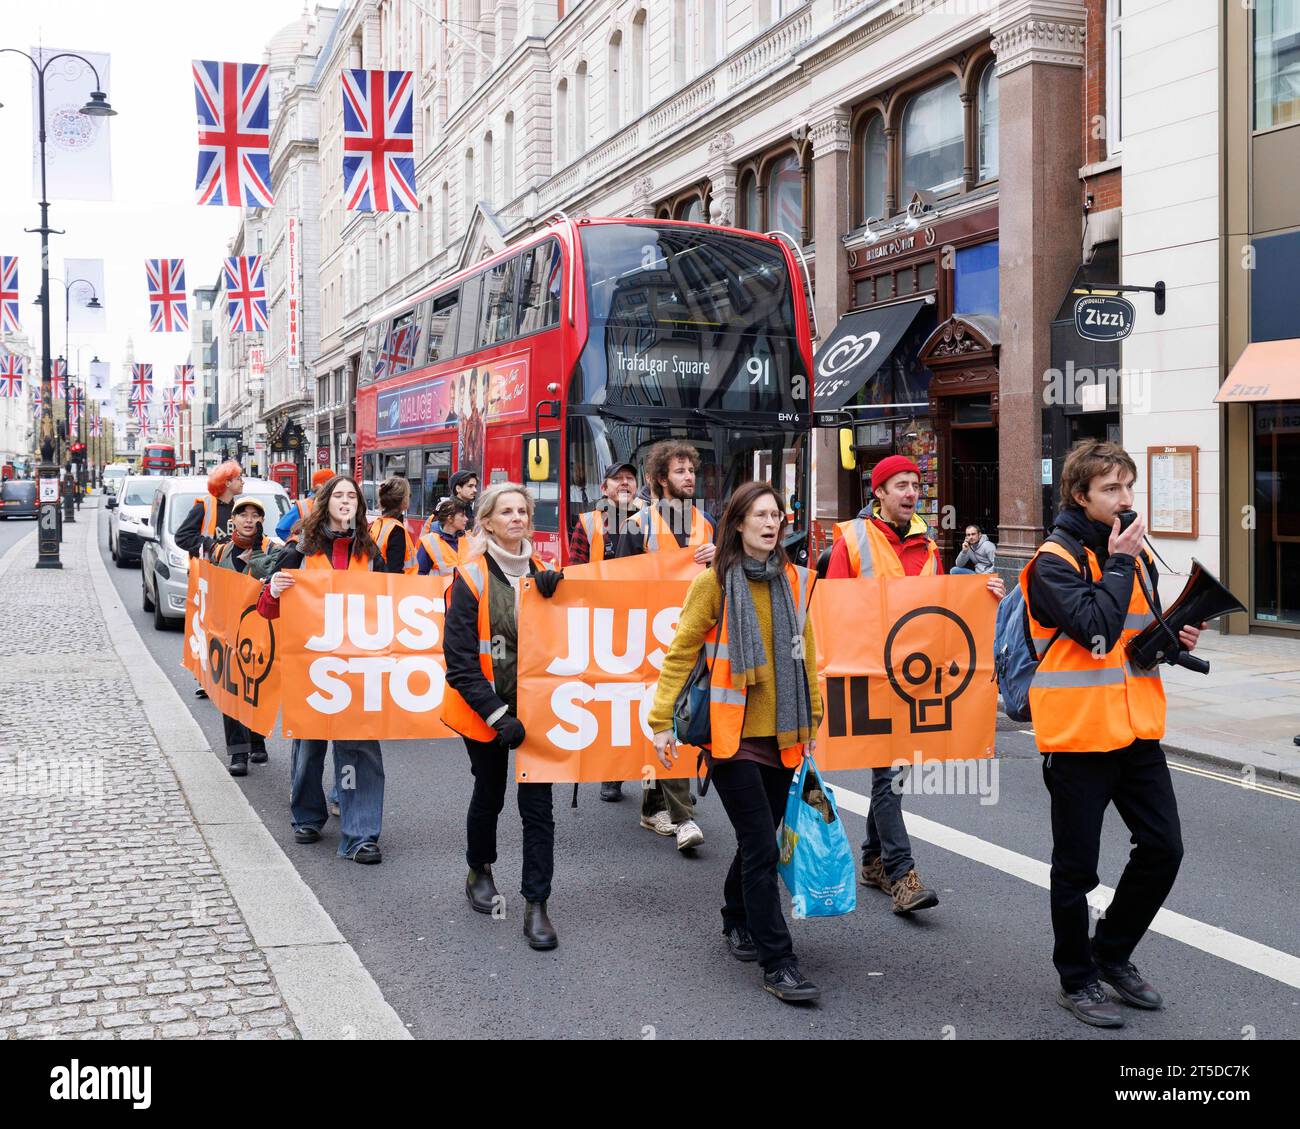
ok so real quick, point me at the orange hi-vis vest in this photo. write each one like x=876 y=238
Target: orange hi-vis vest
x=1082 y=703
x=382 y=528
x=660 y=535
x=457 y=713
x=871 y=553
x=726 y=700
x=209 y=504
x=323 y=560
x=593 y=524
x=444 y=557
x=305 y=505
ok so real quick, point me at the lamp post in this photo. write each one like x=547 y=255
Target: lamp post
x=97 y=107
x=93 y=304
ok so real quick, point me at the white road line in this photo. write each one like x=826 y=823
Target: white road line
x=1242 y=951
x=1236 y=781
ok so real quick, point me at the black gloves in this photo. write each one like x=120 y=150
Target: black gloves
x=510 y=730
x=548 y=582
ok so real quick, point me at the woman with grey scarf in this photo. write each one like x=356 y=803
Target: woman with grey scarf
x=748 y=613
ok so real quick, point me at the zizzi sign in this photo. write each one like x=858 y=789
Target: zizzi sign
x=1103 y=318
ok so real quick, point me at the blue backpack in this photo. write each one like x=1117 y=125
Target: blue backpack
x=1014 y=661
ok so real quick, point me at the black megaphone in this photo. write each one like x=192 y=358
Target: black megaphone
x=1204 y=598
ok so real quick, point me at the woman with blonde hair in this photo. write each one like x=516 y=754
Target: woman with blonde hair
x=481 y=649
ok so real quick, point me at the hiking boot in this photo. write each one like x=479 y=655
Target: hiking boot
x=910 y=895
x=1091 y=1005
x=873 y=874
x=790 y=985
x=660 y=823
x=740 y=944
x=481 y=890
x=689 y=835
x=1132 y=987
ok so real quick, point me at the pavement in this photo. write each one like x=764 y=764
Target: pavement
x=140 y=895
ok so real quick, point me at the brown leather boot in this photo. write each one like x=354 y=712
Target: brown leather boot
x=910 y=895
x=538 y=928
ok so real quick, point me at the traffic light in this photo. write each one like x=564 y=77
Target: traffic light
x=78 y=452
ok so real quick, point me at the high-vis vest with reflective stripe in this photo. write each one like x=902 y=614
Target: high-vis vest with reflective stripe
x=593 y=524
x=871 y=553
x=209 y=504
x=1085 y=704
x=727 y=701
x=660 y=535
x=457 y=713
x=323 y=560
x=444 y=557
x=305 y=506
x=382 y=528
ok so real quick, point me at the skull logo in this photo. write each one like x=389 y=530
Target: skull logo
x=929 y=682
x=254 y=650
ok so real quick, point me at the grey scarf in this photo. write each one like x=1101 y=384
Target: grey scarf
x=749 y=651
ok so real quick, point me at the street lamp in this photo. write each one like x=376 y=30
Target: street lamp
x=97 y=107
x=93 y=304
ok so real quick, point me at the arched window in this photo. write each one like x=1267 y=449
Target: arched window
x=562 y=123
x=988 y=124
x=580 y=109
x=469 y=183
x=692 y=209
x=508 y=167
x=489 y=170
x=428 y=227
x=873 y=155
x=680 y=43
x=785 y=196
x=933 y=141
x=444 y=218
x=636 y=83
x=748 y=196
x=614 y=83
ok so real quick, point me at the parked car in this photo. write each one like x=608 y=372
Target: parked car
x=112 y=476
x=164 y=567
x=18 y=499
x=128 y=519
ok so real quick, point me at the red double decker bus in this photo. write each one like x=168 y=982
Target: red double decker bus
x=158 y=458
x=592 y=340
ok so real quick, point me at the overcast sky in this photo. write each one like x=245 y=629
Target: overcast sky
x=155 y=153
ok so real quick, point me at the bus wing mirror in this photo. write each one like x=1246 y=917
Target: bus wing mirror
x=848 y=457
x=539 y=459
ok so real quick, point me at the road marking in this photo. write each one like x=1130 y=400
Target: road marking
x=1236 y=781
x=1242 y=951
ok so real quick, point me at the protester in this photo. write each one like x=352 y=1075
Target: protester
x=671 y=520
x=481 y=649
x=389 y=529
x=764 y=711
x=1098 y=721
x=889 y=538
x=300 y=510
x=463 y=485
x=596 y=536
x=978 y=553
x=335 y=535
x=248 y=545
x=446 y=544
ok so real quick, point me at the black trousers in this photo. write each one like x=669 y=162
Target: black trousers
x=1082 y=785
x=240 y=740
x=754 y=797
x=490 y=764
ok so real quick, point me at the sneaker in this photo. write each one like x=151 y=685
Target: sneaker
x=306 y=835
x=200 y=693
x=910 y=895
x=1091 y=1005
x=787 y=983
x=611 y=791
x=740 y=943
x=873 y=874
x=689 y=835
x=660 y=823
x=1132 y=987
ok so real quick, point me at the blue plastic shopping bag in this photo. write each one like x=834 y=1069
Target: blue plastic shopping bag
x=816 y=861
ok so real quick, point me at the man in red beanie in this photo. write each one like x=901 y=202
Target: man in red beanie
x=889 y=538
x=302 y=507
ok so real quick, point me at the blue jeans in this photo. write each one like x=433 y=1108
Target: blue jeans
x=958 y=570
x=886 y=831
x=358 y=780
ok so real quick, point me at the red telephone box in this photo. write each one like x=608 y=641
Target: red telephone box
x=286 y=474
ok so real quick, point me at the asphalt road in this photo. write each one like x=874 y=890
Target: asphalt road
x=641 y=953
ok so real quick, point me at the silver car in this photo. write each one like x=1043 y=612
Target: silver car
x=164 y=566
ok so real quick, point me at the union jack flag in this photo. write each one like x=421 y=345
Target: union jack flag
x=234 y=102
x=11 y=376
x=379 y=141
x=184 y=380
x=168 y=312
x=74 y=409
x=58 y=377
x=141 y=411
x=97 y=426
x=398 y=354
x=36 y=399
x=141 y=385
x=9 y=294
x=170 y=405
x=245 y=294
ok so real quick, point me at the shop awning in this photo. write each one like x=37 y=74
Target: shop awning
x=853 y=354
x=1267 y=370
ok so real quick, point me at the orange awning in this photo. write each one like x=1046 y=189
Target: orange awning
x=1267 y=370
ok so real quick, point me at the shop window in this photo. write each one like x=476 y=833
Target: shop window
x=873 y=157
x=975 y=287
x=904 y=281
x=749 y=214
x=785 y=197
x=988 y=125
x=927 y=275
x=884 y=287
x=864 y=292
x=1273 y=315
x=933 y=141
x=1277 y=530
x=691 y=210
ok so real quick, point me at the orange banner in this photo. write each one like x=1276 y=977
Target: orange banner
x=361 y=656
x=906 y=670
x=648 y=568
x=229 y=648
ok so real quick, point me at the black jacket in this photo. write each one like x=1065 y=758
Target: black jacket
x=460 y=644
x=190 y=538
x=1062 y=595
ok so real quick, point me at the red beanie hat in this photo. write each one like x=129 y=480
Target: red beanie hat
x=888 y=467
x=321 y=477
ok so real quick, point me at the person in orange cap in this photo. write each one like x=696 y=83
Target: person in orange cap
x=302 y=507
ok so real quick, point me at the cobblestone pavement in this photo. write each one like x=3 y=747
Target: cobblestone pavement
x=114 y=920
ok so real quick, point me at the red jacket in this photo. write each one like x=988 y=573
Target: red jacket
x=912 y=552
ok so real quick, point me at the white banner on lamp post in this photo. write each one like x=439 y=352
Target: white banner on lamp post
x=78 y=164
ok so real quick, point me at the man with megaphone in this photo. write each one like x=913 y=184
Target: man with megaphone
x=1098 y=720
